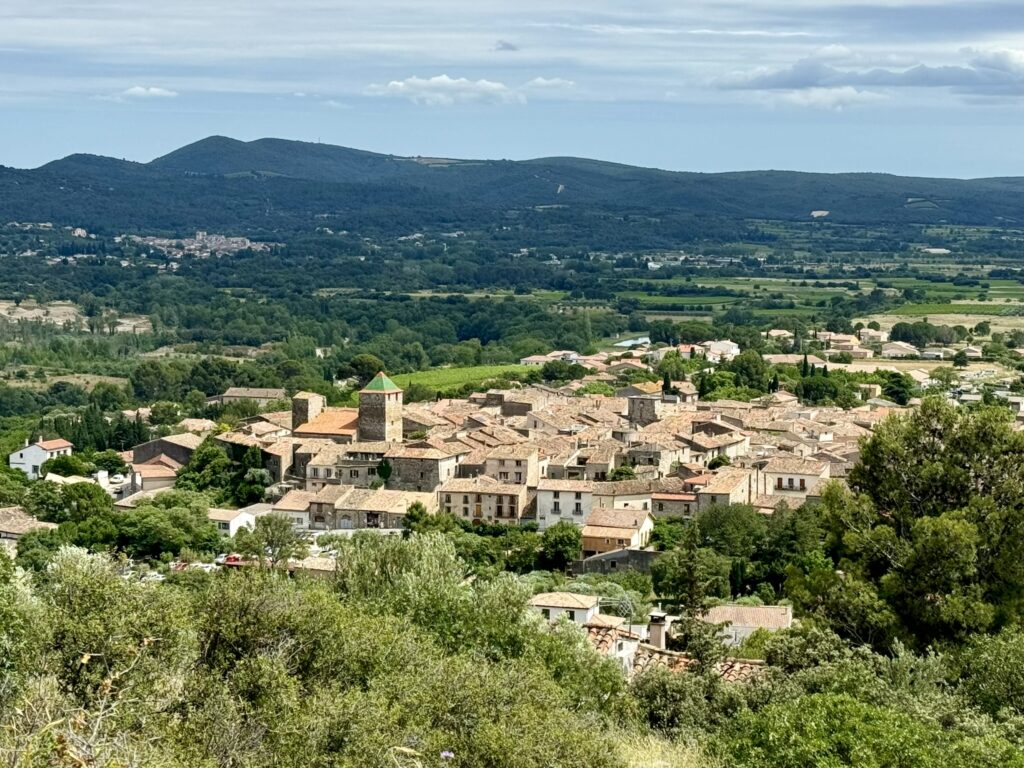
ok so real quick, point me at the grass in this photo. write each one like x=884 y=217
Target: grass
x=450 y=378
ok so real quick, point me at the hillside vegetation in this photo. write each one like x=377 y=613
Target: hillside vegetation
x=273 y=185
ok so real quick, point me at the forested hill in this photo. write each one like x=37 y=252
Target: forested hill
x=272 y=185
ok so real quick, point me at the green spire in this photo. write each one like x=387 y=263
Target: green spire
x=381 y=383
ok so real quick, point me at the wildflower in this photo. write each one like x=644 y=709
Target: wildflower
x=447 y=755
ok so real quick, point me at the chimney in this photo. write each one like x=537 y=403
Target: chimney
x=657 y=634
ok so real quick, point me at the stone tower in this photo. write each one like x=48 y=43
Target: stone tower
x=306 y=406
x=644 y=409
x=380 y=411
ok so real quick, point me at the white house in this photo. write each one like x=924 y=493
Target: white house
x=229 y=521
x=899 y=349
x=30 y=458
x=720 y=351
x=579 y=608
x=563 y=500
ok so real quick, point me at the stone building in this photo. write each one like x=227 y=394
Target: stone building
x=380 y=411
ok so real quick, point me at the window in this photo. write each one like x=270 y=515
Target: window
x=791 y=483
x=555 y=494
x=371 y=471
x=803 y=484
x=519 y=463
x=315 y=472
x=546 y=613
x=579 y=495
x=556 y=507
x=353 y=473
x=447 y=498
x=465 y=511
x=578 y=509
x=503 y=475
x=661 y=506
x=519 y=477
x=778 y=483
x=571 y=615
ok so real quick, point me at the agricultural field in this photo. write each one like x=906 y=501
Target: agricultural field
x=450 y=378
x=84 y=380
x=987 y=309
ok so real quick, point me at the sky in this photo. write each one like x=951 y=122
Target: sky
x=917 y=87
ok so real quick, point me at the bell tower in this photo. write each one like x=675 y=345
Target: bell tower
x=380 y=411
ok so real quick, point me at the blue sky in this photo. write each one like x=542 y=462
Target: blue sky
x=917 y=87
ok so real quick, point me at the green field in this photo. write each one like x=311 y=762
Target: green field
x=449 y=378
x=928 y=310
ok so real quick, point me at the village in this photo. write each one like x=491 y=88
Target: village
x=532 y=456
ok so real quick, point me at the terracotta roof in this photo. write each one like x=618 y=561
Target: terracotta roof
x=607 y=532
x=569 y=600
x=628 y=519
x=580 y=486
x=480 y=484
x=603 y=639
x=185 y=440
x=795 y=466
x=54 y=445
x=727 y=481
x=767 y=616
x=295 y=501
x=255 y=393
x=218 y=514
x=154 y=471
x=731 y=670
x=604 y=620
x=16 y=521
x=332 y=421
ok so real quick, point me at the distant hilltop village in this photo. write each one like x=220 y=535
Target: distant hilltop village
x=203 y=245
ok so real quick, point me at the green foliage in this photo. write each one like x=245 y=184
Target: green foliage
x=273 y=540
x=833 y=730
x=624 y=472
x=66 y=466
x=992 y=673
x=686 y=576
x=209 y=469
x=561 y=544
x=933 y=530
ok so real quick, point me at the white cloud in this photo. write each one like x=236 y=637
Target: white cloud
x=1001 y=60
x=139 y=93
x=748 y=33
x=443 y=91
x=987 y=73
x=550 y=83
x=143 y=92
x=835 y=99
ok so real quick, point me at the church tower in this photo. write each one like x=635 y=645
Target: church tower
x=380 y=411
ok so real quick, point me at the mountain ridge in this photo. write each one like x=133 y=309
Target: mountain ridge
x=272 y=183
